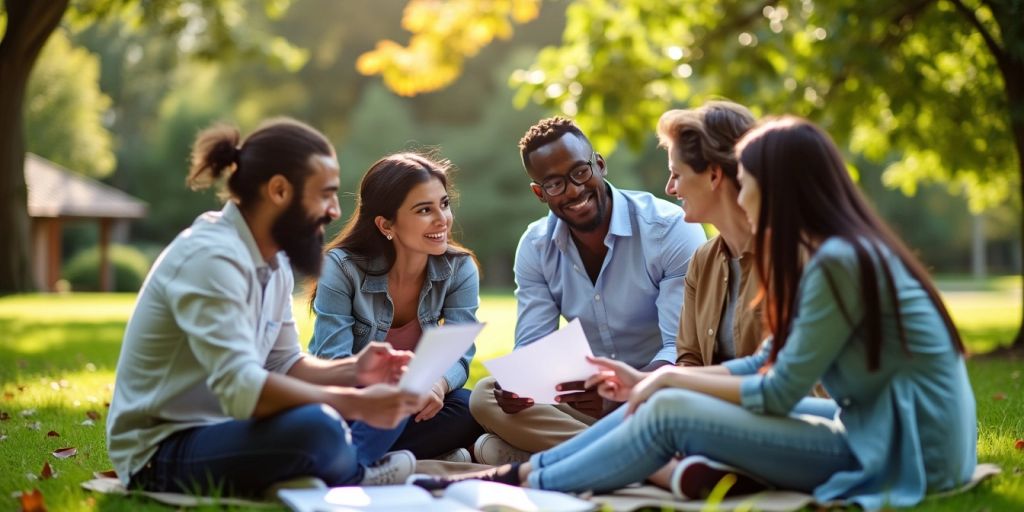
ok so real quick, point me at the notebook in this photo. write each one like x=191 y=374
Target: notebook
x=470 y=495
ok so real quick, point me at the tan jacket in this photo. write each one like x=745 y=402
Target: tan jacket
x=706 y=292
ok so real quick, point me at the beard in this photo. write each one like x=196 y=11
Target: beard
x=300 y=238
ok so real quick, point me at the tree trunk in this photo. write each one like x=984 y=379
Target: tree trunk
x=29 y=25
x=1015 y=95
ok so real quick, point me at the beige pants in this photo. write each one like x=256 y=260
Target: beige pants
x=535 y=429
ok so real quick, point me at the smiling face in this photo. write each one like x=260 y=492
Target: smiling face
x=693 y=189
x=423 y=222
x=750 y=197
x=299 y=230
x=583 y=207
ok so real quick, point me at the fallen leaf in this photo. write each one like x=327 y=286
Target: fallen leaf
x=110 y=473
x=65 y=453
x=4 y=416
x=32 y=501
x=47 y=472
x=8 y=395
x=52 y=433
x=93 y=415
x=87 y=423
x=1019 y=444
x=999 y=396
x=35 y=425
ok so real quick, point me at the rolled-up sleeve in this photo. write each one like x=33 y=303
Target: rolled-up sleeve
x=208 y=297
x=460 y=306
x=829 y=309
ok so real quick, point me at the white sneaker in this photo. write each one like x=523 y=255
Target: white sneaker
x=457 y=455
x=494 y=451
x=393 y=468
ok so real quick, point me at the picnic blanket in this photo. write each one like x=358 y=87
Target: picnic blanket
x=622 y=500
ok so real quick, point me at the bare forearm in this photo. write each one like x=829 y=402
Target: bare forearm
x=337 y=372
x=710 y=380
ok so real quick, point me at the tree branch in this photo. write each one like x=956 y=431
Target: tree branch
x=993 y=45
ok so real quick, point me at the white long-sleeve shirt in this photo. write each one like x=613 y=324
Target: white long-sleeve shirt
x=212 y=319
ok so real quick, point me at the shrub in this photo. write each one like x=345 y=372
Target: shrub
x=128 y=264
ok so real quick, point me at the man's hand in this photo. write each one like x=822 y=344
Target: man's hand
x=384 y=405
x=435 y=401
x=615 y=380
x=379 y=363
x=510 y=403
x=585 y=399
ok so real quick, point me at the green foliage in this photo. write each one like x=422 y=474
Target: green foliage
x=65 y=109
x=912 y=82
x=128 y=264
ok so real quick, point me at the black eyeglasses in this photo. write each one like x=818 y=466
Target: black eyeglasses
x=555 y=185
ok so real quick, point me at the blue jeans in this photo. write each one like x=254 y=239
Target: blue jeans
x=243 y=457
x=798 y=452
x=453 y=427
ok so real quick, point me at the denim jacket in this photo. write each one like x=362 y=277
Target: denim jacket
x=353 y=308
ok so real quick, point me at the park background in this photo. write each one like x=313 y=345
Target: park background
x=121 y=88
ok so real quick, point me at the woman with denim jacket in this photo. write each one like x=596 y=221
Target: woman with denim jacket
x=845 y=302
x=390 y=273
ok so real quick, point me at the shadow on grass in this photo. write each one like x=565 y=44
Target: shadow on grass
x=41 y=349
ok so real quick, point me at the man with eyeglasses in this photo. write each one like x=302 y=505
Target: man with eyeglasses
x=615 y=259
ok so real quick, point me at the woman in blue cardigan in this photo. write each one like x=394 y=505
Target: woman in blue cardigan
x=845 y=303
x=390 y=273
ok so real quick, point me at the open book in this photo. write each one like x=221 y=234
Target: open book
x=469 y=495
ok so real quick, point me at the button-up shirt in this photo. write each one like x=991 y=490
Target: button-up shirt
x=212 y=319
x=631 y=313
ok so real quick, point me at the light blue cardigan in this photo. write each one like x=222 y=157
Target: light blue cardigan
x=911 y=424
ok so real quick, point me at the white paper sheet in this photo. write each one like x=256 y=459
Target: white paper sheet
x=533 y=371
x=438 y=349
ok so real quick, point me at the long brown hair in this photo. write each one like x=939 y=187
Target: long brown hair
x=807 y=194
x=381 y=192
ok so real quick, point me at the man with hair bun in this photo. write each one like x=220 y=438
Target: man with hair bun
x=212 y=393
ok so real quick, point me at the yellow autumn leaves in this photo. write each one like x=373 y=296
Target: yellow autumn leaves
x=444 y=34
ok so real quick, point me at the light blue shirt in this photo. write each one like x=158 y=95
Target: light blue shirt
x=212 y=320
x=632 y=312
x=911 y=424
x=354 y=308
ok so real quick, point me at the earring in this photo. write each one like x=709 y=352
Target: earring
x=388 y=236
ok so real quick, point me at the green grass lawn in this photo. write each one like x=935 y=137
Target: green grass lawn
x=58 y=354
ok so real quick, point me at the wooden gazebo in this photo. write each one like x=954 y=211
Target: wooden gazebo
x=56 y=196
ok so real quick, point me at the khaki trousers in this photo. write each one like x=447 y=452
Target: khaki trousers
x=535 y=429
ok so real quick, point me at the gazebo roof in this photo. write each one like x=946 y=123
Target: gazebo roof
x=54 y=191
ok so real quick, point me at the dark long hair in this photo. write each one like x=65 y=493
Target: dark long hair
x=807 y=194
x=381 y=192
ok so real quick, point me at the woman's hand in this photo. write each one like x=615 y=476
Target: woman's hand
x=378 y=363
x=662 y=378
x=435 y=401
x=615 y=380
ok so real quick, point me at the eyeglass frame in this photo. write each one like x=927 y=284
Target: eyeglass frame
x=568 y=176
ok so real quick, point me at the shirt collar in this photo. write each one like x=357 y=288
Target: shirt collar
x=233 y=215
x=620 y=224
